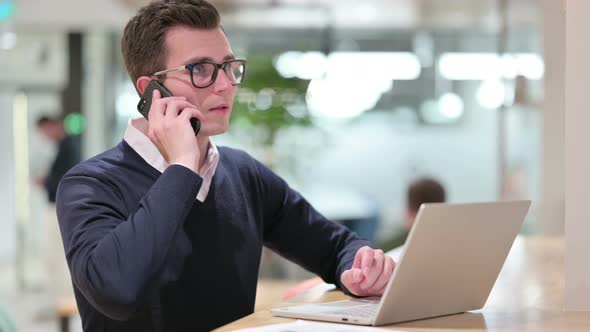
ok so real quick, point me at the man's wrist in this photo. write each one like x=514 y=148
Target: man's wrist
x=190 y=166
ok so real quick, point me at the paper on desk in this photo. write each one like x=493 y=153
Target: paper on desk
x=307 y=326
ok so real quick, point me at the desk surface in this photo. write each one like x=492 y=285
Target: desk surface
x=528 y=296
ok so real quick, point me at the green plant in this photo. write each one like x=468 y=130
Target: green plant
x=269 y=101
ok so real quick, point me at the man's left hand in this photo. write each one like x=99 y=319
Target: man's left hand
x=370 y=272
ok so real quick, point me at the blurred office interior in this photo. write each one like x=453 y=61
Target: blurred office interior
x=349 y=101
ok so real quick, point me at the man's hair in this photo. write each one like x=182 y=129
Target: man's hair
x=46 y=119
x=142 y=44
x=425 y=190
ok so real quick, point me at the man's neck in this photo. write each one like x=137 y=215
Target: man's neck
x=203 y=143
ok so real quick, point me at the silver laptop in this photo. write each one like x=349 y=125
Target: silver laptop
x=452 y=258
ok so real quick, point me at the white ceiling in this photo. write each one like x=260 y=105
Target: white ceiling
x=404 y=14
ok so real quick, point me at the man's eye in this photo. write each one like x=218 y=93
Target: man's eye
x=199 y=68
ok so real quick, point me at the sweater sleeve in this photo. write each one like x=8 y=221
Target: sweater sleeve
x=114 y=254
x=294 y=229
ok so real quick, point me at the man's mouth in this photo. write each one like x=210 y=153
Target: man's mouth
x=221 y=108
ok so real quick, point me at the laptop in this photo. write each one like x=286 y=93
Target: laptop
x=452 y=258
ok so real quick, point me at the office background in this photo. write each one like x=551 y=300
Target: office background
x=349 y=101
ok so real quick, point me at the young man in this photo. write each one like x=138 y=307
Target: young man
x=164 y=232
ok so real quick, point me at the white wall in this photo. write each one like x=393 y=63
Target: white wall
x=96 y=106
x=553 y=167
x=577 y=157
x=41 y=154
x=39 y=59
x=37 y=66
x=71 y=14
x=7 y=201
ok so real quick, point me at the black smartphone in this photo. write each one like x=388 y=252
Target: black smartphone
x=145 y=103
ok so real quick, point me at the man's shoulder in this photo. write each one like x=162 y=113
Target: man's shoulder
x=234 y=155
x=238 y=163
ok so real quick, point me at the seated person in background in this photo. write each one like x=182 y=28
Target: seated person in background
x=164 y=231
x=422 y=190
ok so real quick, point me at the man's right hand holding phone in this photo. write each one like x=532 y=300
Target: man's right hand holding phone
x=170 y=130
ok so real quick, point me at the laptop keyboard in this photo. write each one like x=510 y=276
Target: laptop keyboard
x=364 y=311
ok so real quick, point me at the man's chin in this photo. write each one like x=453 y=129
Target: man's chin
x=213 y=131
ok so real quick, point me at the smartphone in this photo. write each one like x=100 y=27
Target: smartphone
x=145 y=103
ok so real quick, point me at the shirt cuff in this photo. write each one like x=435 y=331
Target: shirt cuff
x=186 y=166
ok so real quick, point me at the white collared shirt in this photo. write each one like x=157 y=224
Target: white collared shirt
x=136 y=137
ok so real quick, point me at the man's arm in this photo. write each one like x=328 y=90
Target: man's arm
x=114 y=255
x=117 y=256
x=297 y=231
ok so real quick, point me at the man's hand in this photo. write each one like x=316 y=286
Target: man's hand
x=170 y=130
x=369 y=274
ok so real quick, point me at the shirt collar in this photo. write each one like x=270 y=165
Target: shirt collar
x=136 y=137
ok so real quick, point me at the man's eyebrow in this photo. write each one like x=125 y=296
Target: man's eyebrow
x=210 y=59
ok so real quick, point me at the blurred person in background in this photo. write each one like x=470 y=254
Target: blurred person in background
x=164 y=232
x=420 y=191
x=68 y=153
x=59 y=284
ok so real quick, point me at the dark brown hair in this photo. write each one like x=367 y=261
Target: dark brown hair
x=45 y=119
x=142 y=44
x=425 y=190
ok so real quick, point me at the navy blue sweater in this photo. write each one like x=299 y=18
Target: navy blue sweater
x=145 y=255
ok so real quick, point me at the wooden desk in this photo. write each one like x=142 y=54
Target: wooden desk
x=528 y=296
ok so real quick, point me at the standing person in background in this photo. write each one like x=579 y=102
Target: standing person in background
x=68 y=155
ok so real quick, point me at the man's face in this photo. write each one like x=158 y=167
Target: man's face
x=410 y=217
x=186 y=45
x=50 y=131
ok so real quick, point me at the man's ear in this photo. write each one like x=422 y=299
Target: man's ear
x=142 y=83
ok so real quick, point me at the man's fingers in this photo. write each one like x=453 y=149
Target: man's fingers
x=367 y=261
x=366 y=270
x=374 y=271
x=351 y=279
x=190 y=112
x=378 y=292
x=381 y=282
x=357 y=259
x=347 y=279
x=355 y=275
x=175 y=107
x=157 y=108
x=156 y=95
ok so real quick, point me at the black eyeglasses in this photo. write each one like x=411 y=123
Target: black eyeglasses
x=204 y=74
